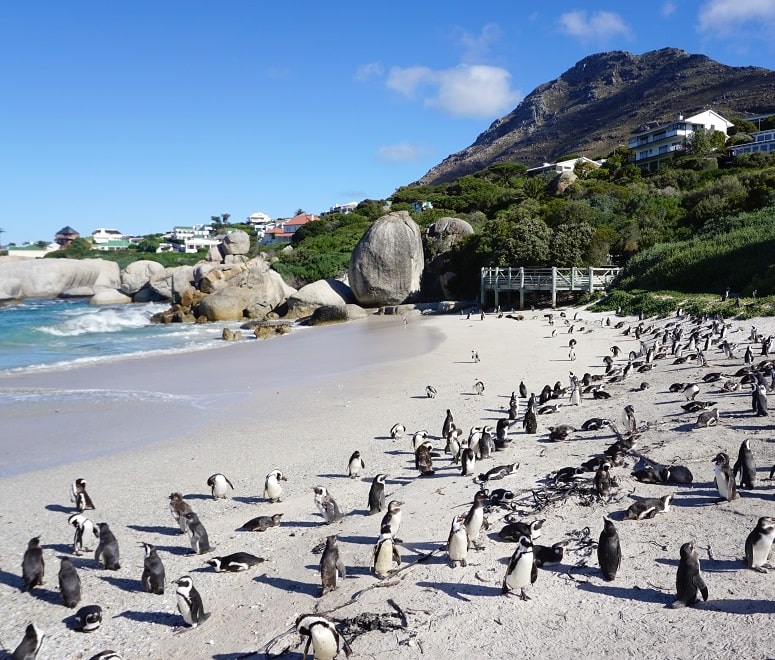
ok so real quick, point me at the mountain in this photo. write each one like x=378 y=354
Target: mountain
x=596 y=105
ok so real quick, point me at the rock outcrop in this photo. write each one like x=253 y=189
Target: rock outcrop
x=387 y=263
x=337 y=314
x=317 y=294
x=49 y=278
x=440 y=239
x=137 y=275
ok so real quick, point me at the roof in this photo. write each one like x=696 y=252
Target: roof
x=302 y=219
x=67 y=231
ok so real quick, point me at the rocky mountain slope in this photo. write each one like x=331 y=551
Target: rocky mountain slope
x=597 y=104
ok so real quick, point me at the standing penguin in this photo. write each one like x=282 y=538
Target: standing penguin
x=521 y=571
x=522 y=390
x=377 y=494
x=327 y=506
x=688 y=580
x=219 y=485
x=331 y=566
x=107 y=550
x=197 y=534
x=272 y=489
x=468 y=462
x=153 y=577
x=322 y=635
x=725 y=478
x=513 y=407
x=30 y=645
x=354 y=465
x=474 y=520
x=179 y=508
x=602 y=481
x=609 y=552
x=628 y=419
x=502 y=433
x=759 y=544
x=385 y=553
x=393 y=519
x=457 y=542
x=85 y=532
x=33 y=565
x=189 y=602
x=69 y=583
x=446 y=427
x=761 y=407
x=746 y=465
x=397 y=431
x=79 y=495
x=423 y=459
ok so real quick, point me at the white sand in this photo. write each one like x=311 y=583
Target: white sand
x=304 y=408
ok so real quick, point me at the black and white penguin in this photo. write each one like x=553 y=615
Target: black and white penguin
x=521 y=571
x=628 y=419
x=355 y=465
x=648 y=475
x=33 y=566
x=235 y=562
x=273 y=490
x=423 y=459
x=479 y=387
x=725 y=478
x=500 y=496
x=690 y=391
x=603 y=480
x=108 y=654
x=457 y=542
x=393 y=518
x=88 y=618
x=745 y=465
x=474 y=520
x=549 y=555
x=418 y=437
x=85 y=533
x=30 y=645
x=377 y=494
x=759 y=544
x=327 y=506
x=430 y=391
x=69 y=583
x=522 y=390
x=468 y=462
x=676 y=474
x=179 y=508
x=219 y=485
x=107 y=550
x=262 y=523
x=449 y=421
x=322 y=635
x=761 y=407
x=648 y=507
x=498 y=472
x=516 y=529
x=197 y=534
x=688 y=580
x=594 y=424
x=332 y=568
x=397 y=431
x=530 y=422
x=706 y=419
x=609 y=552
x=79 y=495
x=190 y=603
x=153 y=578
x=385 y=553
x=502 y=433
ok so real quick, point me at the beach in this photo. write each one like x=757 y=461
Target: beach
x=141 y=428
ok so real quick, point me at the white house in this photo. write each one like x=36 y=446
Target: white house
x=182 y=233
x=103 y=235
x=659 y=144
x=563 y=166
x=344 y=209
x=763 y=141
x=283 y=232
x=193 y=245
x=31 y=250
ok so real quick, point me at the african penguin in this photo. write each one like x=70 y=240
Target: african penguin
x=521 y=571
x=262 y=523
x=107 y=549
x=725 y=478
x=235 y=562
x=474 y=520
x=69 y=583
x=33 y=565
x=331 y=566
x=153 y=577
x=609 y=552
x=88 y=618
x=327 y=506
x=197 y=534
x=385 y=553
x=688 y=579
x=189 y=602
x=79 y=495
x=322 y=635
x=272 y=489
x=85 y=533
x=179 y=508
x=354 y=465
x=457 y=542
x=219 y=485
x=648 y=507
x=397 y=431
x=393 y=518
x=745 y=465
x=30 y=645
x=759 y=544
x=468 y=462
x=377 y=494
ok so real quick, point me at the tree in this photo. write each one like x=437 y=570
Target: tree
x=571 y=243
x=702 y=142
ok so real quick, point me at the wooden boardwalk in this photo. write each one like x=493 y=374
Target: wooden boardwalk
x=552 y=279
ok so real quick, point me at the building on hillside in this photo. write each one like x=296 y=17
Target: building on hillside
x=344 y=209
x=112 y=245
x=418 y=207
x=183 y=233
x=650 y=148
x=260 y=222
x=563 y=166
x=65 y=236
x=103 y=235
x=283 y=232
x=193 y=245
x=763 y=141
x=31 y=250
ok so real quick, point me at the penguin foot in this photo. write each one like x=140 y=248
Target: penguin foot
x=759 y=569
x=524 y=596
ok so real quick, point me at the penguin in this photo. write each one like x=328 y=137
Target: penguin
x=262 y=523
x=446 y=427
x=603 y=480
x=725 y=478
x=423 y=459
x=106 y=655
x=648 y=475
x=474 y=519
x=377 y=494
x=745 y=465
x=331 y=566
x=197 y=534
x=759 y=544
x=418 y=438
x=153 y=577
x=455 y=445
x=219 y=485
x=327 y=505
x=458 y=542
x=88 y=619
x=521 y=571
x=69 y=583
x=190 y=603
x=609 y=552
x=500 y=495
x=385 y=553
x=594 y=424
x=79 y=495
x=676 y=474
x=30 y=645
x=474 y=356
x=85 y=533
x=430 y=391
x=514 y=530
x=397 y=431
x=499 y=472
x=690 y=391
x=354 y=465
x=468 y=462
x=760 y=395
x=392 y=519
x=513 y=408
x=479 y=387
x=272 y=489
x=179 y=508
x=485 y=446
x=502 y=433
x=530 y=422
x=235 y=562
x=697 y=406
x=33 y=566
x=707 y=418
x=648 y=507
x=522 y=390
x=107 y=549
x=322 y=635
x=628 y=419
x=688 y=579
x=545 y=555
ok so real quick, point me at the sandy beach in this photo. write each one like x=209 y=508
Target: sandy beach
x=140 y=429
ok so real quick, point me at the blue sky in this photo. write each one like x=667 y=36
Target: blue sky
x=141 y=115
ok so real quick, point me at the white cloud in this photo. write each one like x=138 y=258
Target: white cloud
x=477 y=46
x=598 y=26
x=668 y=9
x=366 y=72
x=401 y=153
x=727 y=16
x=465 y=91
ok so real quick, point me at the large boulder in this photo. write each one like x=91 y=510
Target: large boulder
x=337 y=314
x=440 y=240
x=172 y=283
x=48 y=278
x=236 y=242
x=109 y=297
x=387 y=263
x=323 y=292
x=561 y=182
x=137 y=274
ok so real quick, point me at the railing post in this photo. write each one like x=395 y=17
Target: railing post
x=554 y=287
x=522 y=287
x=591 y=280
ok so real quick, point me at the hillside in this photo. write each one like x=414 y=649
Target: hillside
x=598 y=103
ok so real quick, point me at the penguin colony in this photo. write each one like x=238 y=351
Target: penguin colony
x=675 y=342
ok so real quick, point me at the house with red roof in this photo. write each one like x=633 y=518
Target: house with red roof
x=284 y=230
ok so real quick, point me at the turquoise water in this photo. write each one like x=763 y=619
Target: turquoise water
x=40 y=333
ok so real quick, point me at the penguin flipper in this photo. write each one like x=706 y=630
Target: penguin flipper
x=533 y=573
x=341 y=568
x=700 y=584
x=396 y=555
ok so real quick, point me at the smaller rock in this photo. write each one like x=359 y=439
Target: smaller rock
x=109 y=297
x=337 y=314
